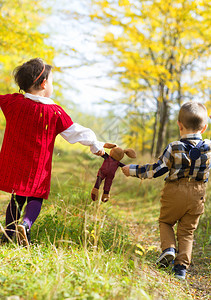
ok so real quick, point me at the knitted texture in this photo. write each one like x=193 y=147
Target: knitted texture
x=27 y=149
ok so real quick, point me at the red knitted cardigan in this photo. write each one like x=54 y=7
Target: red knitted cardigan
x=26 y=152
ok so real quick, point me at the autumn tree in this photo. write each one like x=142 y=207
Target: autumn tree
x=159 y=50
x=20 y=37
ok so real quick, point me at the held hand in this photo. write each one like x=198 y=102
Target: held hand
x=100 y=153
x=125 y=170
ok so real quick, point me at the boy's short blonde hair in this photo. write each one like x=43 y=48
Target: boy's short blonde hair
x=193 y=116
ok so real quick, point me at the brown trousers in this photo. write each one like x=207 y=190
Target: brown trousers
x=182 y=203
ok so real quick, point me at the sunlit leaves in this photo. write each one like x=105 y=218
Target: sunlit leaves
x=20 y=37
x=159 y=39
x=158 y=47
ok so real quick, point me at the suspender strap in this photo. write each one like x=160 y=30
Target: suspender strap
x=194 y=153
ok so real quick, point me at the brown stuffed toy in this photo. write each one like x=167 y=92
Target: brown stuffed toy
x=108 y=169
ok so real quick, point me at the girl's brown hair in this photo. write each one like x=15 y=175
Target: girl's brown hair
x=25 y=75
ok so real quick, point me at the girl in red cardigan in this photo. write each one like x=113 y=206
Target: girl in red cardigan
x=33 y=121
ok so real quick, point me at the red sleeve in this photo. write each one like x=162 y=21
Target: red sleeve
x=64 y=121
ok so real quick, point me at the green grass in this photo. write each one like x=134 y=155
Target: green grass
x=87 y=250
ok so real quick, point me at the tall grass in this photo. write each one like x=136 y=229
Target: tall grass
x=86 y=250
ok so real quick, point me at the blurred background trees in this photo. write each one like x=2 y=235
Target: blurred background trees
x=20 y=40
x=20 y=37
x=157 y=53
x=160 y=52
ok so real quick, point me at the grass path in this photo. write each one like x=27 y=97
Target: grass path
x=137 y=204
x=144 y=230
x=62 y=266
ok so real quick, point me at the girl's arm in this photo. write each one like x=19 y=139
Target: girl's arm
x=85 y=136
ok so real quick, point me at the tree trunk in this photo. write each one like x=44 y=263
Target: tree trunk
x=162 y=127
x=154 y=130
x=167 y=136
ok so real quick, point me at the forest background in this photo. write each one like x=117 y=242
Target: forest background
x=122 y=68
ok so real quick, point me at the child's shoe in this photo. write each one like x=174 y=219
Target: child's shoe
x=179 y=271
x=23 y=234
x=4 y=239
x=166 y=257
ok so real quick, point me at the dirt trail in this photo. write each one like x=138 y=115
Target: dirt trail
x=147 y=234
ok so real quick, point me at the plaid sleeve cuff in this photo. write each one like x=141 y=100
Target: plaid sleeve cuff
x=133 y=170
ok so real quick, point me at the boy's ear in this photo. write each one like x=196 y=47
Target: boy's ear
x=109 y=145
x=204 y=128
x=179 y=125
x=130 y=153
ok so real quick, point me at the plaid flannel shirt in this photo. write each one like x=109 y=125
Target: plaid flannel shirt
x=175 y=160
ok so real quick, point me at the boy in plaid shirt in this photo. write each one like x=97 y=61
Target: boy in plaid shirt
x=187 y=162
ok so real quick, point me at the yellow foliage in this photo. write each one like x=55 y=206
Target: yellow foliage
x=109 y=37
x=158 y=40
x=124 y=2
x=20 y=37
x=139 y=134
x=161 y=48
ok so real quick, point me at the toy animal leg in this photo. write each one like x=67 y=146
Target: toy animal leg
x=95 y=190
x=107 y=186
x=98 y=182
x=108 y=183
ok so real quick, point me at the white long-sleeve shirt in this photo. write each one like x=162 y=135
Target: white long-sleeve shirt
x=75 y=133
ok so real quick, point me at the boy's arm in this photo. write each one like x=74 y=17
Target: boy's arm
x=85 y=136
x=149 y=171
